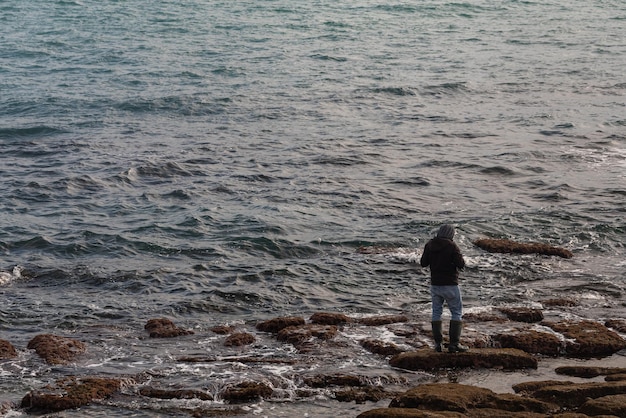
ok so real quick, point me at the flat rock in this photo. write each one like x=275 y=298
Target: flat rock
x=589 y=371
x=512 y=247
x=383 y=320
x=381 y=347
x=588 y=338
x=527 y=315
x=70 y=392
x=507 y=358
x=329 y=318
x=276 y=324
x=606 y=405
x=531 y=341
x=298 y=335
x=246 y=392
x=55 y=349
x=151 y=392
x=239 y=339
x=573 y=395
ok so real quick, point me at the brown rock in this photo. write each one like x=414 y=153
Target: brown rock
x=246 y=392
x=164 y=328
x=383 y=320
x=574 y=395
x=299 y=335
x=510 y=247
x=531 y=341
x=530 y=387
x=324 y=381
x=55 y=349
x=7 y=350
x=507 y=358
x=327 y=318
x=588 y=338
x=381 y=347
x=411 y=413
x=606 y=405
x=222 y=329
x=238 y=339
x=175 y=394
x=618 y=325
x=462 y=398
x=362 y=395
x=70 y=392
x=559 y=302
x=527 y=315
x=276 y=324
x=589 y=371
x=483 y=317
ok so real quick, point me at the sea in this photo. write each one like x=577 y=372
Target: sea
x=226 y=162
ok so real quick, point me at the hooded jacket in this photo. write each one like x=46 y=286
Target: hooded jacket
x=445 y=260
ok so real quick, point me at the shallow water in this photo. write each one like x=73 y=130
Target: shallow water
x=221 y=163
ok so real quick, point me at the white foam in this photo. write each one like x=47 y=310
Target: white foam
x=6 y=277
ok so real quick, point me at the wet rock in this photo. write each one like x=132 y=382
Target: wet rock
x=512 y=247
x=298 y=335
x=381 y=347
x=559 y=302
x=530 y=387
x=383 y=320
x=507 y=358
x=164 y=328
x=276 y=324
x=612 y=405
x=70 y=393
x=327 y=318
x=618 y=325
x=527 y=315
x=7 y=350
x=324 y=381
x=463 y=398
x=222 y=329
x=175 y=394
x=246 y=392
x=531 y=341
x=589 y=371
x=239 y=339
x=574 y=395
x=411 y=413
x=588 y=338
x=55 y=349
x=362 y=395
x=484 y=317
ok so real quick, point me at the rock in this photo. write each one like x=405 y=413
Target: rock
x=326 y=318
x=164 y=328
x=69 y=393
x=238 y=339
x=527 y=315
x=588 y=338
x=531 y=341
x=297 y=335
x=55 y=349
x=409 y=413
x=324 y=381
x=618 y=325
x=559 y=302
x=383 y=320
x=483 y=317
x=574 y=395
x=175 y=394
x=362 y=395
x=7 y=350
x=381 y=347
x=222 y=329
x=507 y=358
x=276 y=324
x=606 y=405
x=510 y=247
x=463 y=398
x=589 y=371
x=246 y=392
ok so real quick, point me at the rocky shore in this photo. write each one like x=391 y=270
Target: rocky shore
x=522 y=339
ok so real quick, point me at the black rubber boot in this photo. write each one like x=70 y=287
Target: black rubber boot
x=455 y=336
x=437 y=334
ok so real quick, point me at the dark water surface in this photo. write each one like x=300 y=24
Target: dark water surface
x=221 y=163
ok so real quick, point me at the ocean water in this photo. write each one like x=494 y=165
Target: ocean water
x=222 y=162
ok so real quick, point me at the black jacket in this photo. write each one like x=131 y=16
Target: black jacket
x=445 y=260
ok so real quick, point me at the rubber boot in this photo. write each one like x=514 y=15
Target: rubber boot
x=455 y=336
x=437 y=335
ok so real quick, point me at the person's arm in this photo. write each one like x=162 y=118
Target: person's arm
x=425 y=259
x=458 y=260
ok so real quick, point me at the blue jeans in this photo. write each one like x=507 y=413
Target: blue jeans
x=452 y=296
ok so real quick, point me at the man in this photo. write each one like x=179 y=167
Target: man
x=445 y=260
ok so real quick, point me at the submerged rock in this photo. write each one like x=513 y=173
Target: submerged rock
x=55 y=349
x=246 y=392
x=527 y=315
x=381 y=347
x=164 y=328
x=69 y=393
x=383 y=320
x=276 y=324
x=298 y=335
x=238 y=339
x=151 y=392
x=508 y=358
x=510 y=247
x=327 y=318
x=7 y=350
